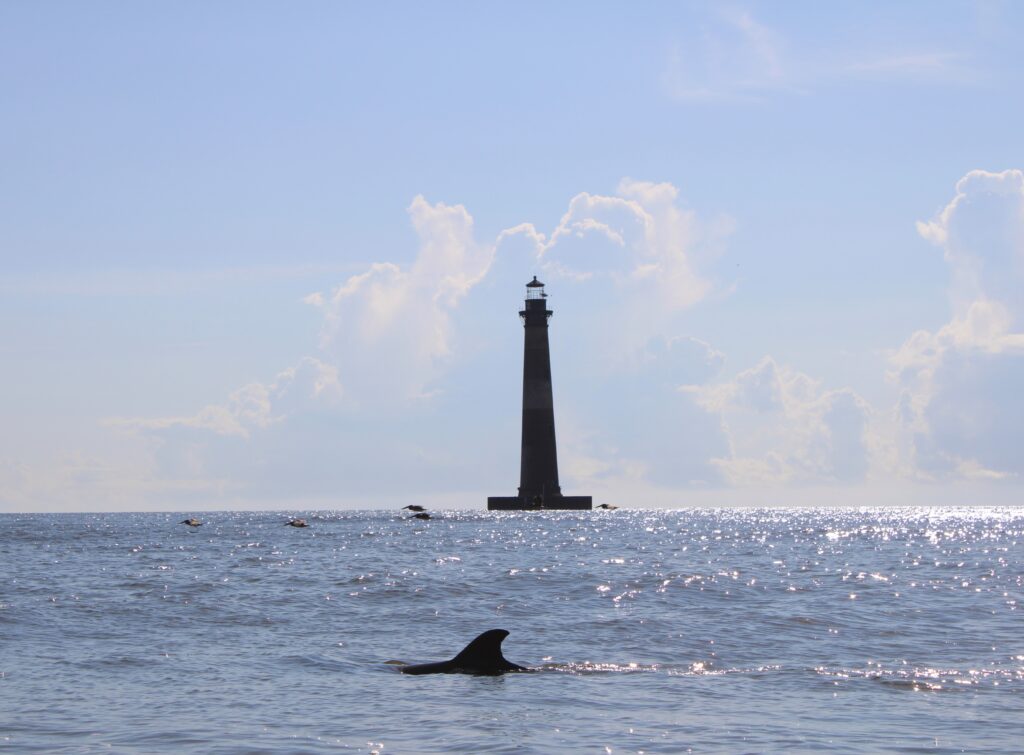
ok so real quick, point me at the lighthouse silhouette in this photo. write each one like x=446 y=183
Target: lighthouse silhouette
x=538 y=463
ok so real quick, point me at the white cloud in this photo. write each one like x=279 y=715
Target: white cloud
x=960 y=404
x=729 y=56
x=644 y=426
x=389 y=329
x=981 y=233
x=734 y=58
x=310 y=384
x=652 y=241
x=625 y=266
x=632 y=261
x=960 y=408
x=783 y=427
x=912 y=64
x=682 y=361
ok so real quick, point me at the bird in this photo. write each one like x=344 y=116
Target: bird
x=414 y=507
x=192 y=522
x=607 y=507
x=421 y=515
x=296 y=523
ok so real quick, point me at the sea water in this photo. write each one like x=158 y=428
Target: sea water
x=815 y=630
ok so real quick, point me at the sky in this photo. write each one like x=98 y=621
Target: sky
x=271 y=255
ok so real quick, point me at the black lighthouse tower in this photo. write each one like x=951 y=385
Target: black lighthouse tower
x=538 y=466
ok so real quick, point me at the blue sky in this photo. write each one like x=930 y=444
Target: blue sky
x=262 y=255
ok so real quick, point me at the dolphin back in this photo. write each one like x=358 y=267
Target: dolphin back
x=444 y=667
x=481 y=656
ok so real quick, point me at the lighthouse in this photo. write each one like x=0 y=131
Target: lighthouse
x=538 y=461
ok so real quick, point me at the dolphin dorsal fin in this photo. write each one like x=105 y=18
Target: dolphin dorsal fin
x=485 y=650
x=483 y=655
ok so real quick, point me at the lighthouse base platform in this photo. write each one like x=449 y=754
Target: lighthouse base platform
x=551 y=503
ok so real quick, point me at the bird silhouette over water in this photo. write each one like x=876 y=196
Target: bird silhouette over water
x=192 y=522
x=607 y=507
x=414 y=507
x=296 y=523
x=421 y=515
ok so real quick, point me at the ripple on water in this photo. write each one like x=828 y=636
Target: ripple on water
x=720 y=630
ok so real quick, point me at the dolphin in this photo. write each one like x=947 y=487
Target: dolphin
x=482 y=656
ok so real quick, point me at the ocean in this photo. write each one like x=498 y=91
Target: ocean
x=730 y=630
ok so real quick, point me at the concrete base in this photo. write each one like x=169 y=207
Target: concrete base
x=561 y=503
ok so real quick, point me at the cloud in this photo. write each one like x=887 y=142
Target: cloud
x=638 y=248
x=651 y=242
x=729 y=56
x=960 y=402
x=960 y=408
x=783 y=427
x=632 y=261
x=389 y=329
x=644 y=426
x=412 y=357
x=625 y=267
x=682 y=361
x=914 y=65
x=981 y=233
x=734 y=58
x=415 y=386
x=309 y=384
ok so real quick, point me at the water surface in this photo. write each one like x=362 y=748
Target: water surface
x=707 y=630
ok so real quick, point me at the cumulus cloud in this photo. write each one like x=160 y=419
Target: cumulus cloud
x=632 y=263
x=783 y=427
x=981 y=233
x=682 y=361
x=389 y=329
x=960 y=409
x=645 y=426
x=247 y=446
x=626 y=267
x=402 y=347
x=960 y=395
x=309 y=384
x=639 y=239
x=652 y=242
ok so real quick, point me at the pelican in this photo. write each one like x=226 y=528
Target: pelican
x=607 y=507
x=296 y=523
x=192 y=522
x=414 y=507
